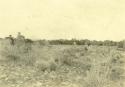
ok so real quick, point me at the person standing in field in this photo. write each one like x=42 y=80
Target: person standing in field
x=20 y=37
x=9 y=40
x=20 y=40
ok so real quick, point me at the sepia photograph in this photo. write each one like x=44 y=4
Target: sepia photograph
x=62 y=43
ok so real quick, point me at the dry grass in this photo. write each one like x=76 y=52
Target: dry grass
x=61 y=66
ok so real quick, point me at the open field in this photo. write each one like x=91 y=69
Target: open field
x=61 y=66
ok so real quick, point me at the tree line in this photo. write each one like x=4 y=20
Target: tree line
x=86 y=42
x=20 y=38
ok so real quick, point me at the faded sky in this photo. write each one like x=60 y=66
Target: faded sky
x=54 y=19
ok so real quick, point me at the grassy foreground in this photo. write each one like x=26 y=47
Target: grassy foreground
x=61 y=66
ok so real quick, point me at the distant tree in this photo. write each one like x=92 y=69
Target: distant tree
x=94 y=42
x=124 y=44
x=120 y=44
x=28 y=41
x=87 y=42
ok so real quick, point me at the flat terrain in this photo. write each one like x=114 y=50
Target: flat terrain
x=61 y=66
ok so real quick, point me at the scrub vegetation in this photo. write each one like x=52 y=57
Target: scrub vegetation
x=27 y=63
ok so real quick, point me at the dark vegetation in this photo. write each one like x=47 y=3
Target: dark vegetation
x=119 y=44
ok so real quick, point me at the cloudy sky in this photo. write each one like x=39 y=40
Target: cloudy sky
x=54 y=19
